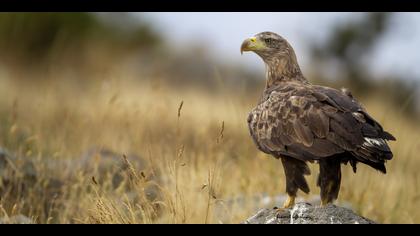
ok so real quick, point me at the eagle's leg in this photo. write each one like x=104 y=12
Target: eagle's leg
x=329 y=179
x=294 y=171
x=290 y=201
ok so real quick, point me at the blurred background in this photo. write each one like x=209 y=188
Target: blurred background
x=363 y=51
x=173 y=91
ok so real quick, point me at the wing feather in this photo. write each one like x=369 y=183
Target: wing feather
x=312 y=122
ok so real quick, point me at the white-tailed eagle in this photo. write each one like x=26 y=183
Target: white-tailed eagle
x=299 y=122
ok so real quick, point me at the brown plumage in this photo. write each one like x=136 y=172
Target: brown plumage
x=300 y=122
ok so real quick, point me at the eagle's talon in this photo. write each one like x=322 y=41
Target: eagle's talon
x=279 y=211
x=290 y=202
x=324 y=203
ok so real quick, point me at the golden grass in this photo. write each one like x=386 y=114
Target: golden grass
x=201 y=150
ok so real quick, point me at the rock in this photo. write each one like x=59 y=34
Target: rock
x=305 y=213
x=129 y=179
x=11 y=165
x=4 y=161
x=132 y=175
x=104 y=162
x=255 y=202
x=17 y=219
x=261 y=201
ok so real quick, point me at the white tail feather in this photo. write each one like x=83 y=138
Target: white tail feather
x=372 y=142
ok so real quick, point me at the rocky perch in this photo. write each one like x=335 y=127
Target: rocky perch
x=305 y=213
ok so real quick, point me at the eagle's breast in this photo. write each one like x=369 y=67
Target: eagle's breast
x=263 y=123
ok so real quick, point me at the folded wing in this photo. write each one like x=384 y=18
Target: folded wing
x=313 y=122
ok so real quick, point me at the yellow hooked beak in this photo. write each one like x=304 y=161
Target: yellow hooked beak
x=252 y=44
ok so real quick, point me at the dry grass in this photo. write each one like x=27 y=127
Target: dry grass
x=201 y=150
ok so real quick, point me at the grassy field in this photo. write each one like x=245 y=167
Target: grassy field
x=200 y=154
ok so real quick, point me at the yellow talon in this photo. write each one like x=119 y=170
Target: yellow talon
x=324 y=202
x=290 y=202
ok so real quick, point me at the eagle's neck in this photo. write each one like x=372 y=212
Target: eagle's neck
x=282 y=69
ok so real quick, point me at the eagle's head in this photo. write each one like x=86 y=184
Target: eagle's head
x=275 y=51
x=267 y=45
